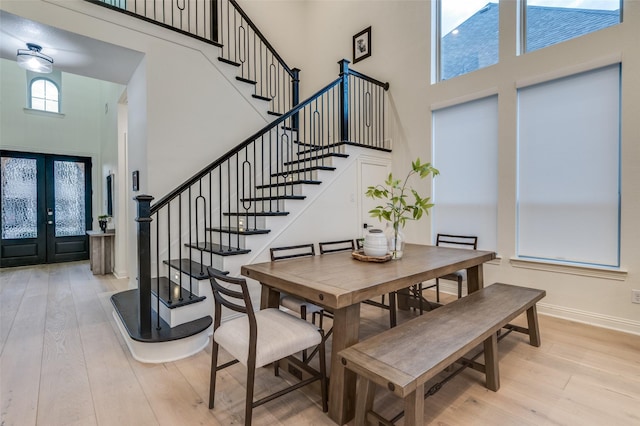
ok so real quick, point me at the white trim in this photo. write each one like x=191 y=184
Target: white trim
x=584 y=317
x=602 y=62
x=565 y=268
x=159 y=352
x=43 y=113
x=492 y=91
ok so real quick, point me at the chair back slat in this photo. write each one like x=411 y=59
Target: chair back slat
x=230 y=292
x=447 y=240
x=335 y=246
x=289 y=252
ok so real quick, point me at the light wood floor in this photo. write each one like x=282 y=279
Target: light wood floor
x=63 y=362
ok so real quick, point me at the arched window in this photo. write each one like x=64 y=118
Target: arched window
x=44 y=95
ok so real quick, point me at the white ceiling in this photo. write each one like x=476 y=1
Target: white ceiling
x=71 y=52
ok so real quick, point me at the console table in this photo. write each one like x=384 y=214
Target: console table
x=101 y=245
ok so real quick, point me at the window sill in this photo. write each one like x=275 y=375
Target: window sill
x=43 y=113
x=565 y=268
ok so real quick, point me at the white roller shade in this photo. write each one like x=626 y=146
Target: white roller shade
x=465 y=150
x=569 y=168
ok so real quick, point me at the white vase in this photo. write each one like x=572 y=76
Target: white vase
x=375 y=243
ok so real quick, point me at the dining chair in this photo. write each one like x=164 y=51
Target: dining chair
x=296 y=304
x=350 y=245
x=460 y=241
x=256 y=339
x=336 y=246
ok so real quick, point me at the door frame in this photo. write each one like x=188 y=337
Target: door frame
x=47 y=244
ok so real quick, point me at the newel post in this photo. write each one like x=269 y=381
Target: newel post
x=344 y=100
x=295 y=96
x=144 y=263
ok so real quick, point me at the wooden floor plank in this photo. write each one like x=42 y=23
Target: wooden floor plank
x=21 y=359
x=65 y=394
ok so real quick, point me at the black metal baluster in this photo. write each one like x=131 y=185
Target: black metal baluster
x=158 y=271
x=169 y=239
x=180 y=239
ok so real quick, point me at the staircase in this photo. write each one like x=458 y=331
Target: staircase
x=218 y=217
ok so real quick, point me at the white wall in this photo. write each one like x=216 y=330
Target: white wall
x=401 y=54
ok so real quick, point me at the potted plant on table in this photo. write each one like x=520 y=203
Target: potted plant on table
x=397 y=209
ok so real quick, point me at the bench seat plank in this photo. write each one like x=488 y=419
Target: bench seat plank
x=404 y=357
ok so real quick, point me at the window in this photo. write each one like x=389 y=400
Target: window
x=466 y=36
x=466 y=191
x=44 y=95
x=548 y=22
x=569 y=169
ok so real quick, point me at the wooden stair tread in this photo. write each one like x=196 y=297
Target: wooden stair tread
x=293 y=182
x=166 y=287
x=126 y=305
x=228 y=61
x=314 y=158
x=246 y=214
x=275 y=198
x=246 y=80
x=232 y=230
x=304 y=170
x=263 y=98
x=192 y=268
x=218 y=249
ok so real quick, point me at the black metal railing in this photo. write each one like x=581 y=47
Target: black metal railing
x=224 y=24
x=209 y=216
x=258 y=62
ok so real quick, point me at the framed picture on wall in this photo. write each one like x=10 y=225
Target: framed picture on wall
x=362 y=45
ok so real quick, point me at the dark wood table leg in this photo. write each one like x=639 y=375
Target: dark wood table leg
x=475 y=280
x=534 y=330
x=342 y=383
x=269 y=297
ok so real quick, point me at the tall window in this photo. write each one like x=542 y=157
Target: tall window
x=548 y=22
x=465 y=141
x=466 y=36
x=44 y=95
x=569 y=169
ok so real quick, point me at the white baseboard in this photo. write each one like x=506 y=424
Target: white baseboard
x=585 y=317
x=590 y=318
x=159 y=352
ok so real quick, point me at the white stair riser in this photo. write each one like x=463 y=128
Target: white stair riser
x=252 y=222
x=233 y=240
x=183 y=314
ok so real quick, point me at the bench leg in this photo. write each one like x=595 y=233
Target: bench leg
x=414 y=407
x=365 y=391
x=534 y=330
x=491 y=362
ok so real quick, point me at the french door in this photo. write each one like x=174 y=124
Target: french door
x=46 y=208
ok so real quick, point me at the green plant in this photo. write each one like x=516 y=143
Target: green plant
x=397 y=209
x=104 y=217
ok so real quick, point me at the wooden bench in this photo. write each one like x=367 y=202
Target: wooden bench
x=404 y=358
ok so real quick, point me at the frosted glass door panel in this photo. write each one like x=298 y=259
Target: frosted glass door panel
x=69 y=198
x=19 y=198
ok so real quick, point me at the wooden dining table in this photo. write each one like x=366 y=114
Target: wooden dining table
x=338 y=282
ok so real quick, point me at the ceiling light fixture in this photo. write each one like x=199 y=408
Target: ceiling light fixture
x=31 y=59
